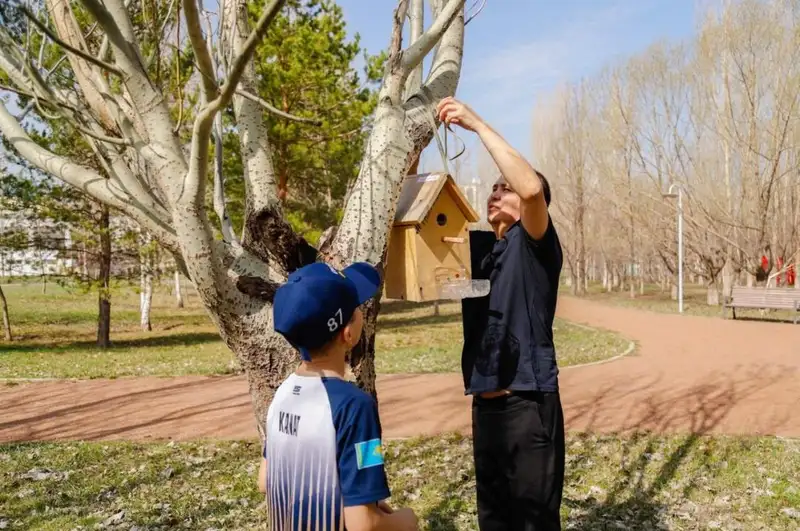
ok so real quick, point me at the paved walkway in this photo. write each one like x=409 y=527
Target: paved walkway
x=704 y=375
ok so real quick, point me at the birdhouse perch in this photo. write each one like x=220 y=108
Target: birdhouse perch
x=429 y=241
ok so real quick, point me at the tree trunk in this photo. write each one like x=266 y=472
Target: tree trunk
x=84 y=262
x=146 y=264
x=104 y=314
x=673 y=292
x=712 y=294
x=44 y=283
x=146 y=300
x=751 y=279
x=586 y=284
x=6 y=320
x=727 y=277
x=178 y=294
x=641 y=285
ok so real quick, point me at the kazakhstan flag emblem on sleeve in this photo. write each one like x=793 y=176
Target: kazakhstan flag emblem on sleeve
x=369 y=454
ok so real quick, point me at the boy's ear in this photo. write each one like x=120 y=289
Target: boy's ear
x=346 y=334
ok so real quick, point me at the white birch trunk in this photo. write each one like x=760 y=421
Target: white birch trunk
x=178 y=293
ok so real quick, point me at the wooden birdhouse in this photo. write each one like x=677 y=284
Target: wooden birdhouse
x=429 y=242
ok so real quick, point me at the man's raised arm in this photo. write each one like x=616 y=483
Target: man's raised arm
x=517 y=172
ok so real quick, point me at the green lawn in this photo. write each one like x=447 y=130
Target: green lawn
x=694 y=302
x=635 y=483
x=55 y=333
x=412 y=339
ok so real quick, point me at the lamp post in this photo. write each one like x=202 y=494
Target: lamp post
x=671 y=193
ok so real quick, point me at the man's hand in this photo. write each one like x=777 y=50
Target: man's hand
x=452 y=111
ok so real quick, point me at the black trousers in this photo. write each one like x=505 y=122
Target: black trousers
x=518 y=443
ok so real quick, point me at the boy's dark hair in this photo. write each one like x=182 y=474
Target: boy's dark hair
x=545 y=187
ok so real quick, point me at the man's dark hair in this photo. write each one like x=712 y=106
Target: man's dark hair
x=545 y=187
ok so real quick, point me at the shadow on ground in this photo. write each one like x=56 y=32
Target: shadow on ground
x=424 y=320
x=652 y=476
x=392 y=306
x=150 y=341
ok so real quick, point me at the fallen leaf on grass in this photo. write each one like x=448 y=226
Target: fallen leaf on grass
x=114 y=519
x=41 y=474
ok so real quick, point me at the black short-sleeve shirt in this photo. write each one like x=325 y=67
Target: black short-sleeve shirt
x=508 y=334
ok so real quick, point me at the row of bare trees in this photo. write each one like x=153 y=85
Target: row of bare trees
x=716 y=116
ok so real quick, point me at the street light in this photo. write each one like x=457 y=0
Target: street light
x=679 y=195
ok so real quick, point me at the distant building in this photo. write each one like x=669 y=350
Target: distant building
x=51 y=258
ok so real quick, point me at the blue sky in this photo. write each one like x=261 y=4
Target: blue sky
x=519 y=50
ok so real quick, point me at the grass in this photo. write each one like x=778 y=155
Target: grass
x=55 y=338
x=694 y=302
x=411 y=339
x=636 y=482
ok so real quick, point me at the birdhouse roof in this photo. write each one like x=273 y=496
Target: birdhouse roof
x=419 y=194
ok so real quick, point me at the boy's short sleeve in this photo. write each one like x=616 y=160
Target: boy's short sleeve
x=362 y=476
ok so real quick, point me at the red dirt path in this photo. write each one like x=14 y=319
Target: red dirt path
x=704 y=375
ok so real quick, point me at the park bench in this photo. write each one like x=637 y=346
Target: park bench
x=763 y=299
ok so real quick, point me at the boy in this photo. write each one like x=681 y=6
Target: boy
x=322 y=467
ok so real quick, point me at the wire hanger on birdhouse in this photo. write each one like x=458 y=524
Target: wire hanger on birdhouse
x=432 y=121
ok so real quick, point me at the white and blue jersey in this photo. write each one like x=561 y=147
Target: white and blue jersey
x=324 y=453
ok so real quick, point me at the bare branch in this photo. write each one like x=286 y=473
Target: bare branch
x=193 y=189
x=219 y=185
x=246 y=53
x=419 y=49
x=79 y=176
x=152 y=115
x=83 y=55
x=274 y=110
x=91 y=79
x=16 y=91
x=416 y=16
x=102 y=138
x=201 y=53
x=396 y=44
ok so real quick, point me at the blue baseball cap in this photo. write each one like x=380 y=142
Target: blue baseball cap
x=317 y=300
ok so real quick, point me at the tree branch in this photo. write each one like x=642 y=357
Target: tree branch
x=246 y=53
x=195 y=177
x=275 y=111
x=219 y=185
x=102 y=138
x=83 y=55
x=162 y=150
x=396 y=44
x=415 y=53
x=416 y=16
x=81 y=177
x=204 y=62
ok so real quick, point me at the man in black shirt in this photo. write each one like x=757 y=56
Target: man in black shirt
x=508 y=361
